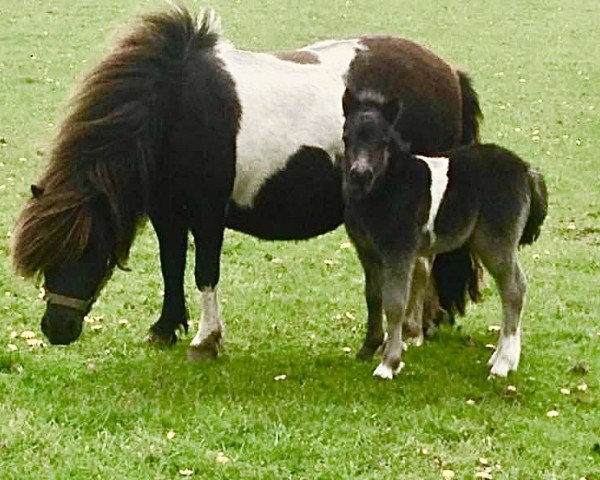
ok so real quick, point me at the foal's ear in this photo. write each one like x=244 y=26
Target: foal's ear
x=36 y=191
x=349 y=102
x=392 y=110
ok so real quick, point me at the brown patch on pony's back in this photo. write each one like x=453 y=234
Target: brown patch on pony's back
x=298 y=56
x=426 y=84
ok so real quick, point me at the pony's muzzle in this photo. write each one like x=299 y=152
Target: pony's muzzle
x=61 y=325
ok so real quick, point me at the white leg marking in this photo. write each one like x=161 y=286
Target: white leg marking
x=507 y=355
x=383 y=371
x=386 y=372
x=210 y=324
x=415 y=341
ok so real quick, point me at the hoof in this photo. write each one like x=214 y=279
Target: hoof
x=386 y=372
x=206 y=349
x=161 y=339
x=415 y=341
x=201 y=354
x=366 y=353
x=506 y=357
x=369 y=349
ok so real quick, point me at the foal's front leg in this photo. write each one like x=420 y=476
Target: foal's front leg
x=373 y=280
x=397 y=278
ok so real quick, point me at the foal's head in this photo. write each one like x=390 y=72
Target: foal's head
x=369 y=132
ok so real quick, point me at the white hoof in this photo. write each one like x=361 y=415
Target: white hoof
x=507 y=355
x=386 y=372
x=415 y=341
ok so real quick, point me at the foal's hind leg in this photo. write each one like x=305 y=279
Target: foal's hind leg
x=373 y=278
x=502 y=263
x=170 y=225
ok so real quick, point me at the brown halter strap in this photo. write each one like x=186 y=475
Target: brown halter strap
x=82 y=306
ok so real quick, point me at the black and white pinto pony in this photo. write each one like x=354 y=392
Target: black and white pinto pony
x=177 y=125
x=401 y=206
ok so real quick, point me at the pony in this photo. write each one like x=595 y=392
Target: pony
x=401 y=206
x=177 y=125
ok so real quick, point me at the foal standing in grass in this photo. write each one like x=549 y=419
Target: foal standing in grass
x=400 y=207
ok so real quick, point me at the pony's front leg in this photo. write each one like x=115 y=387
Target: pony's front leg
x=171 y=229
x=396 y=288
x=208 y=235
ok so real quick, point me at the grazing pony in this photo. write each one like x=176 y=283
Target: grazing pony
x=177 y=125
x=401 y=206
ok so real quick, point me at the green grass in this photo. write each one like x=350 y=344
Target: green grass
x=102 y=407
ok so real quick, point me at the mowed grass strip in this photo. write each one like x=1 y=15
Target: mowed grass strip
x=109 y=406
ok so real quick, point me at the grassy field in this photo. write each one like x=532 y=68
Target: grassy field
x=109 y=406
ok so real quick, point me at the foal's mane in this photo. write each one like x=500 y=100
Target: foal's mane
x=104 y=157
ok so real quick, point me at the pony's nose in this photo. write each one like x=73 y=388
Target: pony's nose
x=360 y=175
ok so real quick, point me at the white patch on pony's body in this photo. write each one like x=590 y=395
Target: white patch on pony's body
x=438 y=167
x=285 y=106
x=507 y=355
x=210 y=324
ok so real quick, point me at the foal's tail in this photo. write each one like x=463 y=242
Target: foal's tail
x=538 y=207
x=471 y=111
x=109 y=145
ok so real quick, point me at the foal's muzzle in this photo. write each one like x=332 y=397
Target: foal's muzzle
x=360 y=180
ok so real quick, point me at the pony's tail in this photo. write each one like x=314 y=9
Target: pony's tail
x=471 y=111
x=457 y=273
x=538 y=207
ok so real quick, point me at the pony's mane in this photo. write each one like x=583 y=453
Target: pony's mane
x=104 y=157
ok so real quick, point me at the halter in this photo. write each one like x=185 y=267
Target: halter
x=77 y=304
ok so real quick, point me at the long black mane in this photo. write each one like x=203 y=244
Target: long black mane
x=103 y=160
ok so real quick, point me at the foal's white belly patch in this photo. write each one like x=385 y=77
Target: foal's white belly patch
x=438 y=166
x=285 y=106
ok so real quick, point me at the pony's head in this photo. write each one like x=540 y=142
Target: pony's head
x=68 y=241
x=369 y=132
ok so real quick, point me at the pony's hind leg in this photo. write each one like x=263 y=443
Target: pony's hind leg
x=171 y=229
x=502 y=263
x=413 y=330
x=374 y=337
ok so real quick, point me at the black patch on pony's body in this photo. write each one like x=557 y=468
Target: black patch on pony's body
x=301 y=201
